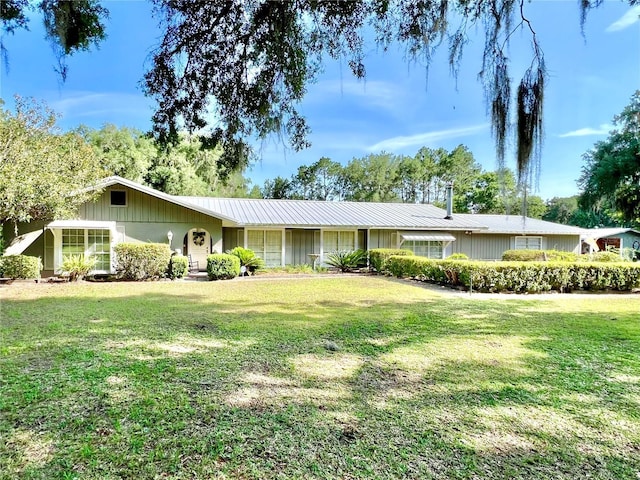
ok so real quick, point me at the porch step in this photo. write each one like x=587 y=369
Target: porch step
x=197 y=276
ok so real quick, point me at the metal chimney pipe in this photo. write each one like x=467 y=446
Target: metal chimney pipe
x=449 y=191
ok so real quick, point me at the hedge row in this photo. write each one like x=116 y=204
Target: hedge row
x=519 y=277
x=142 y=261
x=20 y=266
x=558 y=256
x=539 y=256
x=378 y=257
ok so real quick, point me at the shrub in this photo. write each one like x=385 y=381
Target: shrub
x=20 y=266
x=346 y=260
x=142 y=261
x=522 y=256
x=378 y=257
x=539 y=256
x=519 y=277
x=247 y=259
x=178 y=267
x=458 y=256
x=77 y=266
x=605 y=257
x=222 y=266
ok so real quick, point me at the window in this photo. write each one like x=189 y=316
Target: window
x=99 y=246
x=528 y=243
x=424 y=248
x=339 y=241
x=118 y=198
x=73 y=242
x=88 y=242
x=267 y=244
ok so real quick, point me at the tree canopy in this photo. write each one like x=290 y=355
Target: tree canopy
x=44 y=174
x=422 y=178
x=187 y=167
x=249 y=62
x=610 y=180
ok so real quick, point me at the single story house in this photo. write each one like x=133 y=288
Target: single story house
x=282 y=232
x=602 y=239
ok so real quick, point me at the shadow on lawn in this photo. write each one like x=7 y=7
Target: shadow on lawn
x=445 y=388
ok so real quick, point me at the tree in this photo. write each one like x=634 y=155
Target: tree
x=533 y=207
x=189 y=167
x=278 y=188
x=251 y=61
x=122 y=151
x=610 y=180
x=43 y=173
x=319 y=181
x=561 y=209
x=460 y=168
x=484 y=196
x=373 y=178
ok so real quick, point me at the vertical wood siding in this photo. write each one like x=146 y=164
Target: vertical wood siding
x=491 y=247
x=148 y=219
x=141 y=208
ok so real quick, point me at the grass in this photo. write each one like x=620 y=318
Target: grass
x=342 y=377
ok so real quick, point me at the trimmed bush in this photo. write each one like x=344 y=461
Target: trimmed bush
x=519 y=277
x=77 y=266
x=222 y=266
x=20 y=266
x=346 y=261
x=458 y=256
x=178 y=267
x=539 y=256
x=378 y=257
x=605 y=257
x=142 y=261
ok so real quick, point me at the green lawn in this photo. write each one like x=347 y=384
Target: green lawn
x=350 y=377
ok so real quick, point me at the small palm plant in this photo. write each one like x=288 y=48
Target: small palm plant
x=346 y=261
x=77 y=266
x=248 y=259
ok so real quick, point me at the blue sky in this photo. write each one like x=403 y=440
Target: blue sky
x=397 y=109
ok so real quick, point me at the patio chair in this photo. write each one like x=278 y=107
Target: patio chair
x=194 y=265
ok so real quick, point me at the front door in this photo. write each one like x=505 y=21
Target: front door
x=199 y=246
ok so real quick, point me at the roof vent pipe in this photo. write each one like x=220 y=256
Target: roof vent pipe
x=449 y=191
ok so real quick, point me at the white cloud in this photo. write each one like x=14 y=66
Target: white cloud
x=398 y=143
x=584 y=132
x=632 y=16
x=102 y=106
x=376 y=93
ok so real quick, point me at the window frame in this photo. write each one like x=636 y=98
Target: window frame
x=87 y=248
x=265 y=245
x=115 y=205
x=526 y=239
x=339 y=232
x=427 y=246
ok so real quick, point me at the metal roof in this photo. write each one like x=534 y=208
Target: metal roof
x=21 y=242
x=607 y=232
x=310 y=213
x=517 y=225
x=316 y=214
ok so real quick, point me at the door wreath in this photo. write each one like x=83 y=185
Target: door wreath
x=198 y=238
